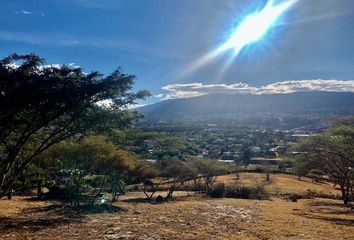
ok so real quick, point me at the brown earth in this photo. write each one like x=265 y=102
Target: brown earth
x=187 y=217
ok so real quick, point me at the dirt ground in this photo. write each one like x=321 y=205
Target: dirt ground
x=187 y=217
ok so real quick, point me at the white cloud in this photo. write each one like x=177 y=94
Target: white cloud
x=108 y=103
x=27 y=12
x=41 y=67
x=199 y=89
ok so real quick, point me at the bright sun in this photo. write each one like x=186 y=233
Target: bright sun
x=252 y=29
x=255 y=26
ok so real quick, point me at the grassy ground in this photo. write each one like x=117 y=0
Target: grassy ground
x=187 y=217
x=281 y=183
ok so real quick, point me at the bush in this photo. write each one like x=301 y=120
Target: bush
x=294 y=197
x=198 y=186
x=310 y=193
x=259 y=169
x=237 y=191
x=313 y=193
x=240 y=191
x=259 y=192
x=217 y=191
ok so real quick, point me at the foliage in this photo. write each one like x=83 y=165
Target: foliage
x=175 y=171
x=333 y=153
x=155 y=145
x=240 y=191
x=43 y=105
x=208 y=169
x=146 y=173
x=217 y=191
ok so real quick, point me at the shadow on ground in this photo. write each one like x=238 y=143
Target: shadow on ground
x=330 y=211
x=52 y=216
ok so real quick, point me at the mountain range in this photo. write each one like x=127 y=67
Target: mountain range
x=233 y=107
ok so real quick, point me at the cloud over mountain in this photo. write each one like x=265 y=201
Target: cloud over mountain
x=198 y=89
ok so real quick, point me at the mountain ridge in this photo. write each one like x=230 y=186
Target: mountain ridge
x=233 y=106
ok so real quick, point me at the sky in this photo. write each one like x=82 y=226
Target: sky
x=310 y=47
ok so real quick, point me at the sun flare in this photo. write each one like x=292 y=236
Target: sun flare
x=253 y=28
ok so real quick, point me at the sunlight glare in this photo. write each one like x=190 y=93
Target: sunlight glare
x=253 y=28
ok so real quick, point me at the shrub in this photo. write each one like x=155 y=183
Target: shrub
x=217 y=191
x=294 y=197
x=259 y=192
x=259 y=169
x=310 y=193
x=240 y=191
x=237 y=191
x=313 y=193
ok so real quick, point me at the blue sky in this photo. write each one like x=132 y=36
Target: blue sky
x=157 y=39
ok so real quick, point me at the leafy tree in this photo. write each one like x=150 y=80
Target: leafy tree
x=209 y=169
x=134 y=140
x=333 y=151
x=96 y=154
x=147 y=173
x=176 y=171
x=238 y=167
x=43 y=105
x=170 y=147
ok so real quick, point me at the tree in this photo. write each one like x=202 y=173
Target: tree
x=168 y=147
x=303 y=165
x=209 y=169
x=238 y=169
x=333 y=152
x=42 y=105
x=134 y=140
x=175 y=171
x=97 y=159
x=108 y=161
x=147 y=173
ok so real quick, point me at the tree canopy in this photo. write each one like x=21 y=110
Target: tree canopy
x=333 y=153
x=41 y=105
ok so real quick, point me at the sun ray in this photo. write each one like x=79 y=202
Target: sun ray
x=253 y=28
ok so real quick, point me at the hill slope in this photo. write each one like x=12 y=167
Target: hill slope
x=232 y=107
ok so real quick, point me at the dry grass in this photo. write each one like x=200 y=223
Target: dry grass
x=280 y=183
x=188 y=217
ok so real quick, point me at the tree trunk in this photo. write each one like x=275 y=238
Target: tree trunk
x=195 y=185
x=170 y=192
x=100 y=190
x=39 y=186
x=344 y=195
